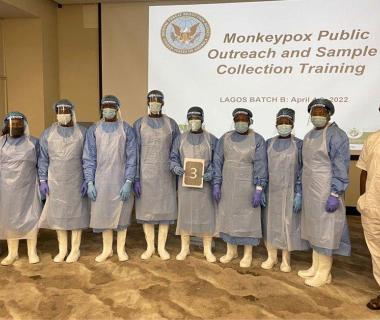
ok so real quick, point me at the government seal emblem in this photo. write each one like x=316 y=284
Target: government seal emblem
x=185 y=32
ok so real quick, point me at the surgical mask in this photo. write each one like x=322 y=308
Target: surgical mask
x=64 y=119
x=318 y=121
x=195 y=125
x=284 y=130
x=241 y=126
x=109 y=113
x=155 y=107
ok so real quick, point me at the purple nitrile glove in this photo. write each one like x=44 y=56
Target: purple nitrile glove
x=44 y=188
x=217 y=192
x=137 y=189
x=256 y=199
x=332 y=204
x=83 y=189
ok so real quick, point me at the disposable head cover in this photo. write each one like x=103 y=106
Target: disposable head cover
x=110 y=100
x=322 y=102
x=287 y=113
x=8 y=124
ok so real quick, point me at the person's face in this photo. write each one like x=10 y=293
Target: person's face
x=16 y=127
x=64 y=117
x=242 y=118
x=195 y=123
x=319 y=111
x=284 y=120
x=109 y=112
x=63 y=110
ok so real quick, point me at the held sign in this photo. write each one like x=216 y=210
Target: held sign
x=194 y=170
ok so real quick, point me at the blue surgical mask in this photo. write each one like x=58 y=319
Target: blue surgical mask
x=318 y=121
x=241 y=126
x=195 y=125
x=155 y=107
x=109 y=113
x=284 y=130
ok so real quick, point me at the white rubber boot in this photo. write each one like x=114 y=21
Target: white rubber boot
x=247 y=258
x=309 y=273
x=162 y=236
x=107 y=246
x=149 y=237
x=74 y=255
x=121 y=253
x=230 y=254
x=185 y=248
x=323 y=274
x=32 y=250
x=272 y=260
x=62 y=246
x=12 y=253
x=285 y=263
x=207 y=249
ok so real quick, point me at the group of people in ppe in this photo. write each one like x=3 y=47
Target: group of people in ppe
x=286 y=191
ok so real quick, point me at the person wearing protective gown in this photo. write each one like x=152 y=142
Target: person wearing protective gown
x=20 y=201
x=109 y=163
x=62 y=183
x=196 y=209
x=282 y=218
x=326 y=157
x=240 y=165
x=369 y=204
x=155 y=185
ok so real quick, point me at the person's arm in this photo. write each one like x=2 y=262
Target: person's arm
x=260 y=164
x=175 y=156
x=210 y=168
x=298 y=173
x=218 y=161
x=130 y=153
x=362 y=164
x=339 y=152
x=89 y=155
x=175 y=130
x=43 y=157
x=137 y=130
x=363 y=181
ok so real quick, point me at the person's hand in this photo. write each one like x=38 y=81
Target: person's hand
x=125 y=191
x=217 y=192
x=137 y=189
x=91 y=191
x=44 y=188
x=178 y=171
x=207 y=176
x=332 y=204
x=83 y=189
x=297 y=203
x=256 y=199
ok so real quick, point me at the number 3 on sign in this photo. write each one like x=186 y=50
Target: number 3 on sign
x=194 y=170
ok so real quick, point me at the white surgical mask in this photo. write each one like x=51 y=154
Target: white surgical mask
x=318 y=121
x=64 y=119
x=284 y=130
x=241 y=126
x=155 y=107
x=109 y=113
x=195 y=125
